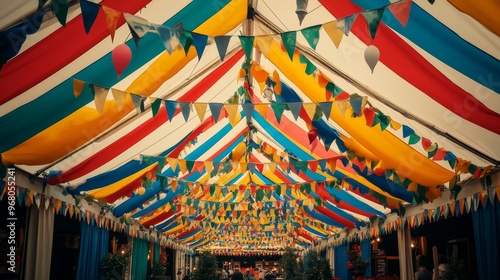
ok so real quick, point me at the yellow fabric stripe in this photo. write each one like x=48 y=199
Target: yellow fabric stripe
x=485 y=11
x=174 y=230
x=86 y=123
x=111 y=189
x=391 y=150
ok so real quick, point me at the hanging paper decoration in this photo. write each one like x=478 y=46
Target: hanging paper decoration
x=372 y=54
x=121 y=57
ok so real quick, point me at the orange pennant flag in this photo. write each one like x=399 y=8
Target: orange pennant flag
x=112 y=17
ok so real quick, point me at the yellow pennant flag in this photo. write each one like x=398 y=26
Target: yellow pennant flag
x=333 y=32
x=310 y=109
x=201 y=109
x=78 y=87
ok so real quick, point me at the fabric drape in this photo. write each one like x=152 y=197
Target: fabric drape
x=340 y=262
x=40 y=237
x=157 y=249
x=44 y=242
x=366 y=254
x=93 y=248
x=486 y=224
x=139 y=259
x=405 y=257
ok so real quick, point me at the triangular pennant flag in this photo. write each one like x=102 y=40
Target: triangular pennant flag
x=342 y=106
x=231 y=110
x=356 y=102
x=119 y=97
x=264 y=43
x=185 y=109
x=78 y=87
x=222 y=42
x=100 y=95
x=373 y=19
x=262 y=109
x=199 y=42
x=155 y=106
x=112 y=17
x=248 y=109
x=407 y=131
x=326 y=108
x=401 y=11
x=215 y=109
x=247 y=45
x=278 y=109
x=135 y=36
x=333 y=32
x=166 y=37
x=89 y=13
x=201 y=109
x=289 y=40
x=186 y=41
x=346 y=23
x=171 y=107
x=138 y=102
x=295 y=108
x=139 y=25
x=312 y=35
x=60 y=9
x=310 y=67
x=310 y=109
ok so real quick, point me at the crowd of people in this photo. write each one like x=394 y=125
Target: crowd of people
x=249 y=274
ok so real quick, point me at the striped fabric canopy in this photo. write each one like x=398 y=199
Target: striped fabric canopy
x=235 y=125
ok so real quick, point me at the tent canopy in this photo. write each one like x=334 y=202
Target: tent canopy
x=251 y=125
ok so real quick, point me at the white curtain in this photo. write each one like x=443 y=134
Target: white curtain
x=405 y=257
x=39 y=244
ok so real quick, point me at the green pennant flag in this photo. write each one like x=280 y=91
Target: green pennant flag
x=161 y=164
x=289 y=40
x=277 y=189
x=186 y=40
x=373 y=19
x=334 y=89
x=310 y=67
x=259 y=195
x=414 y=138
x=212 y=189
x=247 y=45
x=278 y=109
x=312 y=35
x=60 y=9
x=155 y=106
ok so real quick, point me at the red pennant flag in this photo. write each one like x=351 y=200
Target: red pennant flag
x=401 y=11
x=426 y=143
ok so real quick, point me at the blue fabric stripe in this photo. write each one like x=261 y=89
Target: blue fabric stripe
x=59 y=102
x=443 y=43
x=344 y=196
x=324 y=218
x=313 y=231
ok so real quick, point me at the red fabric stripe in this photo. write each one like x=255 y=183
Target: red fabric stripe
x=58 y=49
x=186 y=232
x=129 y=188
x=163 y=216
x=334 y=216
x=122 y=144
x=411 y=66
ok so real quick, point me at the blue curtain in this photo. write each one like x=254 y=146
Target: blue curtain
x=140 y=259
x=340 y=262
x=93 y=248
x=486 y=223
x=366 y=254
x=157 y=253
